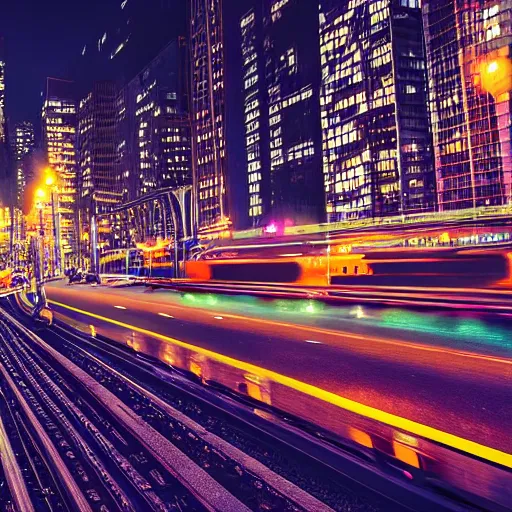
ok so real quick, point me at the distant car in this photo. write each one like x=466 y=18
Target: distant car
x=75 y=278
x=18 y=279
x=80 y=277
x=92 y=278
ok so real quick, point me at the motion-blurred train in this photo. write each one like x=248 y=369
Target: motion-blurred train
x=322 y=264
x=303 y=264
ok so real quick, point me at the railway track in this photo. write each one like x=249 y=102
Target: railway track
x=241 y=446
x=92 y=433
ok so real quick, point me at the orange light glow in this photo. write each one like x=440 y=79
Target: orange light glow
x=360 y=437
x=40 y=193
x=196 y=369
x=492 y=67
x=406 y=454
x=496 y=75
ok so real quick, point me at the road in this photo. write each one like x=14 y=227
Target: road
x=451 y=381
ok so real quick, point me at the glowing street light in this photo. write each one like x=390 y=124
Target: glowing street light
x=40 y=194
x=50 y=178
x=492 y=67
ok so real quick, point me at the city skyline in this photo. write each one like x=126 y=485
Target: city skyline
x=255 y=255
x=341 y=120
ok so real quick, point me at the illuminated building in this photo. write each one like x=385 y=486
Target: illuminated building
x=281 y=78
x=59 y=120
x=2 y=93
x=4 y=149
x=292 y=71
x=208 y=115
x=141 y=51
x=468 y=43
x=377 y=151
x=24 y=139
x=154 y=144
x=255 y=116
x=98 y=187
x=24 y=144
x=97 y=143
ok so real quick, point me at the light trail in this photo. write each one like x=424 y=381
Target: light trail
x=425 y=431
x=348 y=335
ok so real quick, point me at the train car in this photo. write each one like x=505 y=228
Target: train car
x=302 y=264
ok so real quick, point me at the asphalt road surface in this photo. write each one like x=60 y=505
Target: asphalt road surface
x=451 y=374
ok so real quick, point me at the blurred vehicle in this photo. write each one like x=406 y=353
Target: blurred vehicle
x=75 y=276
x=18 y=278
x=81 y=276
x=303 y=264
x=91 y=278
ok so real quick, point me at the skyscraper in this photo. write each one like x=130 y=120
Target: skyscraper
x=24 y=144
x=97 y=145
x=292 y=72
x=257 y=152
x=4 y=150
x=377 y=152
x=467 y=43
x=281 y=81
x=23 y=139
x=208 y=115
x=59 y=119
x=154 y=144
x=2 y=92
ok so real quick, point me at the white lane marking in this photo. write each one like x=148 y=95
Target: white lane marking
x=218 y=317
x=165 y=315
x=314 y=342
x=119 y=307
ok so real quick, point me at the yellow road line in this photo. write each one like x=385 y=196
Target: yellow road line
x=451 y=440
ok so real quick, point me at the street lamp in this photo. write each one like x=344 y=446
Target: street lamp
x=40 y=197
x=50 y=180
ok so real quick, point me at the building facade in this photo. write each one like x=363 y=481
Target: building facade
x=2 y=93
x=97 y=145
x=208 y=115
x=377 y=151
x=154 y=131
x=257 y=155
x=292 y=80
x=23 y=146
x=7 y=185
x=468 y=47
x=23 y=139
x=59 y=119
x=281 y=83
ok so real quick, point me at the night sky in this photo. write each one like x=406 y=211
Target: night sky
x=42 y=38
